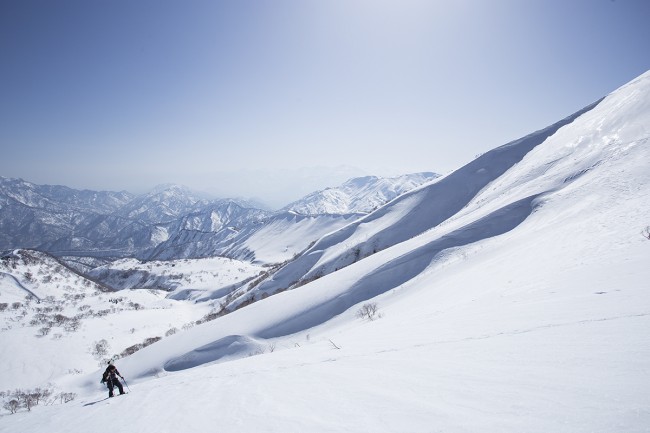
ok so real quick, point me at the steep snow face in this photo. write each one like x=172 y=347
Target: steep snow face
x=358 y=195
x=285 y=236
x=246 y=234
x=605 y=136
x=411 y=214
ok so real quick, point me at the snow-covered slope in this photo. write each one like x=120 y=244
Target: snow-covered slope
x=516 y=301
x=410 y=215
x=471 y=214
x=40 y=275
x=50 y=316
x=358 y=195
x=214 y=277
x=284 y=236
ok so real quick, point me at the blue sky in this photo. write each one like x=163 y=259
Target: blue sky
x=244 y=97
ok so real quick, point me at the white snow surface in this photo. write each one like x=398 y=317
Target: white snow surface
x=288 y=234
x=526 y=310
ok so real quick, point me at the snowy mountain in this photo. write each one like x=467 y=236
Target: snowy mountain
x=510 y=295
x=359 y=195
x=164 y=204
x=168 y=223
x=64 y=221
x=32 y=215
x=206 y=232
x=48 y=197
x=243 y=233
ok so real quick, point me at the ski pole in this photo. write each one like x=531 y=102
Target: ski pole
x=127 y=385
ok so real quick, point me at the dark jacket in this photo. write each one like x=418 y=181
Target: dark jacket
x=111 y=373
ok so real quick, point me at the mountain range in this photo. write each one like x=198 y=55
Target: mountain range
x=170 y=221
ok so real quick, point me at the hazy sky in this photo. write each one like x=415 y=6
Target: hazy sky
x=127 y=94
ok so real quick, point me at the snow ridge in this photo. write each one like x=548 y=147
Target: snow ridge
x=403 y=219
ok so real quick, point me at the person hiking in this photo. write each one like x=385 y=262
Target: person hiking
x=110 y=378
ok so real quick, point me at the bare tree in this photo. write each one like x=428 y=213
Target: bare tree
x=59 y=320
x=66 y=396
x=368 y=311
x=39 y=394
x=26 y=399
x=12 y=405
x=73 y=325
x=99 y=349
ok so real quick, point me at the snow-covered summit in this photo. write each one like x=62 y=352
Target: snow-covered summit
x=163 y=204
x=358 y=195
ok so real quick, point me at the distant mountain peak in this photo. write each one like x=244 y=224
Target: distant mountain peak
x=169 y=186
x=358 y=195
x=171 y=218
